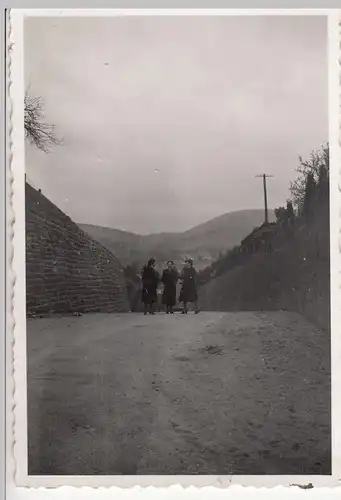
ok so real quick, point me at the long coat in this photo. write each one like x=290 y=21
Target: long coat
x=150 y=281
x=169 y=280
x=188 y=292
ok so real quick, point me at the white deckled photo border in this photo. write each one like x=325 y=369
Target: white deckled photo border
x=16 y=324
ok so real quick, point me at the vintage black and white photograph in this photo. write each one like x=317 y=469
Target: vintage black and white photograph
x=177 y=245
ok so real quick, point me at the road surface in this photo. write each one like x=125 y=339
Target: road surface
x=214 y=393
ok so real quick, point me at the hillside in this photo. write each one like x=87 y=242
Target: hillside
x=127 y=246
x=292 y=273
x=203 y=242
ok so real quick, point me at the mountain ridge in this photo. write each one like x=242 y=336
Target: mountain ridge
x=202 y=242
x=159 y=233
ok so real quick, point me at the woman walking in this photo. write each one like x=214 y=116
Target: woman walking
x=169 y=279
x=189 y=292
x=150 y=281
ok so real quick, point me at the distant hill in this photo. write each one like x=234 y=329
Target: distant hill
x=203 y=242
x=128 y=246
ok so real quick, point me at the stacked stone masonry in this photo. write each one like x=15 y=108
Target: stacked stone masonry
x=66 y=270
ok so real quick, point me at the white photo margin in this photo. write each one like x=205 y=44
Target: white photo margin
x=17 y=323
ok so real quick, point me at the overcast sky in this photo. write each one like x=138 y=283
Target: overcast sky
x=166 y=120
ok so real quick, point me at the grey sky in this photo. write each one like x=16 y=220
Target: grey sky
x=166 y=120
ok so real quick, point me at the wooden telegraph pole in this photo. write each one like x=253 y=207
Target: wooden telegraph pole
x=264 y=177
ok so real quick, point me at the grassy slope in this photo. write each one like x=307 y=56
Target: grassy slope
x=293 y=276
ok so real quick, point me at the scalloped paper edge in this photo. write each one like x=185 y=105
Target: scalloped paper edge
x=16 y=313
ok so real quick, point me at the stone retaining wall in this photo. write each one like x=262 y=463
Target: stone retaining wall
x=66 y=270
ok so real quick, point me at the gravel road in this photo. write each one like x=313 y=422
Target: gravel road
x=213 y=393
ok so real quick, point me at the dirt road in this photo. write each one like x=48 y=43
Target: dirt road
x=214 y=393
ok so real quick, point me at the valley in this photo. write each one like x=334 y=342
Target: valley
x=203 y=243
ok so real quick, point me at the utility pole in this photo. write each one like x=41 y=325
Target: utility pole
x=264 y=177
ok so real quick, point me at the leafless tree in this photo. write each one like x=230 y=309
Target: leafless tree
x=37 y=131
x=317 y=160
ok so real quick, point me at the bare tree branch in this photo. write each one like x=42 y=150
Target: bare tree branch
x=317 y=159
x=37 y=132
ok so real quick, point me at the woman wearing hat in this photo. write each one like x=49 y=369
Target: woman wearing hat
x=150 y=281
x=189 y=292
x=169 y=279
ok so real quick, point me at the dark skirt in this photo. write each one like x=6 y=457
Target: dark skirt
x=149 y=295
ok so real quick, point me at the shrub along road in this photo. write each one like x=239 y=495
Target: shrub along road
x=214 y=393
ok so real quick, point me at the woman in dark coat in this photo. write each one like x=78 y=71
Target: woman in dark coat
x=169 y=279
x=150 y=281
x=189 y=292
